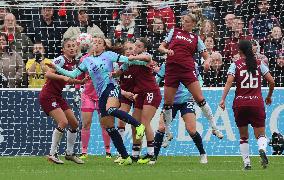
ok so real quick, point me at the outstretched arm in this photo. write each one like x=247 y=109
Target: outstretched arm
x=50 y=74
x=73 y=74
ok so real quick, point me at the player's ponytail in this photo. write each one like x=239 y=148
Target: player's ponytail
x=245 y=47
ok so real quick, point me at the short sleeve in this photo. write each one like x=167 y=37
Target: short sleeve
x=59 y=61
x=232 y=69
x=264 y=69
x=169 y=36
x=200 y=45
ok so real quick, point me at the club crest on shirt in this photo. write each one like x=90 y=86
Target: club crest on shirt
x=54 y=104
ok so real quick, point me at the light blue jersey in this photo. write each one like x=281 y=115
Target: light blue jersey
x=182 y=94
x=99 y=68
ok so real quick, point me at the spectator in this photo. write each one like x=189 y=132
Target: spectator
x=225 y=30
x=49 y=31
x=11 y=64
x=83 y=24
x=209 y=44
x=278 y=72
x=18 y=41
x=194 y=8
x=216 y=76
x=164 y=11
x=3 y=12
x=208 y=29
x=273 y=46
x=231 y=45
x=157 y=35
x=258 y=55
x=126 y=30
x=36 y=67
x=210 y=47
x=261 y=25
x=245 y=10
x=210 y=12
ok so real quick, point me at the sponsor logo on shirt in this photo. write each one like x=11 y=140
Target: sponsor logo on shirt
x=247 y=97
x=183 y=38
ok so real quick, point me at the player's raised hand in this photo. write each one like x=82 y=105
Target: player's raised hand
x=268 y=100
x=222 y=104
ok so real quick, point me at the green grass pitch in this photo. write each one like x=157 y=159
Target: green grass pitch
x=172 y=168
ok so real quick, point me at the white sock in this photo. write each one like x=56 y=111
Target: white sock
x=209 y=115
x=56 y=138
x=150 y=150
x=135 y=150
x=121 y=132
x=262 y=143
x=168 y=117
x=71 y=139
x=244 y=148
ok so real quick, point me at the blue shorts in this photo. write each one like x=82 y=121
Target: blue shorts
x=184 y=108
x=110 y=91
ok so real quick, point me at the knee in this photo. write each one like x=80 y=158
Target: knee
x=63 y=124
x=86 y=125
x=74 y=125
x=191 y=132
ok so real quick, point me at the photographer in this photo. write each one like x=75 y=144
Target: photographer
x=36 y=67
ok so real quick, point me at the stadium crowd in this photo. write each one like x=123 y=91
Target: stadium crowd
x=31 y=33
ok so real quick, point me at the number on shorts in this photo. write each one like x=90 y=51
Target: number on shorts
x=189 y=105
x=114 y=93
x=150 y=97
x=253 y=81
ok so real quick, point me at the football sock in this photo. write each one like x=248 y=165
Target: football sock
x=244 y=149
x=117 y=142
x=158 y=142
x=121 y=131
x=206 y=110
x=150 y=147
x=71 y=139
x=262 y=142
x=135 y=150
x=85 y=137
x=198 y=142
x=106 y=139
x=56 y=138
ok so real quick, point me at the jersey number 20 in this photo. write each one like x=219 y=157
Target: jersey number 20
x=249 y=81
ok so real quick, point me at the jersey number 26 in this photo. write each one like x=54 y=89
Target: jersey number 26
x=249 y=81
